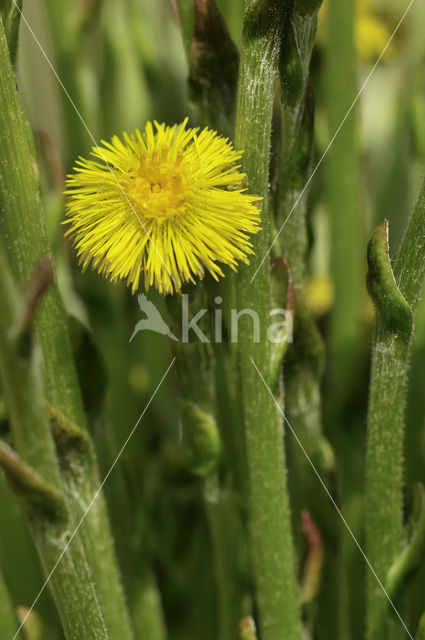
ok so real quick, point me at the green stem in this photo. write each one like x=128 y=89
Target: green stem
x=346 y=223
x=395 y=309
x=343 y=181
x=25 y=237
x=71 y=583
x=141 y=589
x=24 y=233
x=304 y=362
x=303 y=371
x=271 y=540
x=384 y=473
x=297 y=120
x=203 y=448
x=226 y=537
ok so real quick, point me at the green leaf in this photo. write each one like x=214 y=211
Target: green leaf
x=11 y=16
x=36 y=494
x=213 y=68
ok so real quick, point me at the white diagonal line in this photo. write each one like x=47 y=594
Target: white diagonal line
x=356 y=99
x=90 y=134
x=93 y=499
x=332 y=500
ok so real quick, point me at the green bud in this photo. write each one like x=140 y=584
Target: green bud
x=201 y=439
x=390 y=304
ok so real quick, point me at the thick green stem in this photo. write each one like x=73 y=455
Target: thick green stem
x=72 y=581
x=395 y=301
x=384 y=473
x=271 y=540
x=24 y=233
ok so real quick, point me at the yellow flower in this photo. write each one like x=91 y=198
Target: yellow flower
x=371 y=34
x=170 y=203
x=319 y=294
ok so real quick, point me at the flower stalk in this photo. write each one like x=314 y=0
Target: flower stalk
x=202 y=441
x=271 y=542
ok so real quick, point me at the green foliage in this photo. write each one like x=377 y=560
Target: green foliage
x=221 y=526
x=10 y=13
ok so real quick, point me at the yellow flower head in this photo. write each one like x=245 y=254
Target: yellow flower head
x=372 y=34
x=169 y=203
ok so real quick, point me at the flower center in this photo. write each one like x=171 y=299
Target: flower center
x=158 y=185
